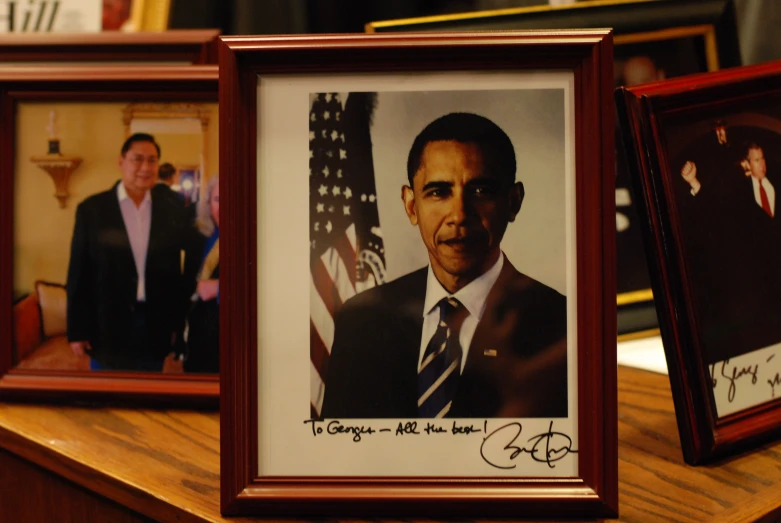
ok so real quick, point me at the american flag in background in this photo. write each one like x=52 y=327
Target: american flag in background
x=346 y=249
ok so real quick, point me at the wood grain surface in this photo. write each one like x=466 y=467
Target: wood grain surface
x=165 y=464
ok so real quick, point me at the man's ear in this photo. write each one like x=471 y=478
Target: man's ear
x=516 y=199
x=408 y=198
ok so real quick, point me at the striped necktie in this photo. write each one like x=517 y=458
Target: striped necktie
x=441 y=366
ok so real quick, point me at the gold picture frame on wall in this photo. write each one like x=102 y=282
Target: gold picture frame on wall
x=654 y=40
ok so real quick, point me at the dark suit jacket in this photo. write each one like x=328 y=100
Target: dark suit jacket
x=102 y=280
x=372 y=371
x=733 y=252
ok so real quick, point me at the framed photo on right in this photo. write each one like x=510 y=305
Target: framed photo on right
x=705 y=156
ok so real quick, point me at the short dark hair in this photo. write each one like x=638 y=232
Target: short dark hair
x=166 y=171
x=751 y=144
x=497 y=149
x=139 y=137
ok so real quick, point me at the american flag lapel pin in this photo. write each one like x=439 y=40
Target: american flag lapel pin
x=491 y=353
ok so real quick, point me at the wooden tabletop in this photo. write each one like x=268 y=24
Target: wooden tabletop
x=165 y=464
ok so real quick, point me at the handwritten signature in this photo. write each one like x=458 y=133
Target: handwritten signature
x=333 y=427
x=733 y=374
x=500 y=449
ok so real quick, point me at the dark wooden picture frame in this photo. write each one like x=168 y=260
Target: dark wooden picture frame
x=175 y=47
x=703 y=106
x=635 y=23
x=593 y=492
x=87 y=84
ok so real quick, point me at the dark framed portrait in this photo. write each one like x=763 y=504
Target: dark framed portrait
x=653 y=40
x=175 y=47
x=444 y=281
x=707 y=182
x=109 y=263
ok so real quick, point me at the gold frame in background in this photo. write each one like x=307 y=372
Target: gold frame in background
x=150 y=15
x=371 y=27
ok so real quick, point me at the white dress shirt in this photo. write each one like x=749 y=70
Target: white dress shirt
x=138 y=222
x=771 y=193
x=472 y=296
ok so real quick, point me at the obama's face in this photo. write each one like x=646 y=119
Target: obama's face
x=462 y=208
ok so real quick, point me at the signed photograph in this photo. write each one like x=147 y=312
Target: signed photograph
x=116 y=237
x=419 y=292
x=463 y=334
x=726 y=167
x=440 y=273
x=704 y=154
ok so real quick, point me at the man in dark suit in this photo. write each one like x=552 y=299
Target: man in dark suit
x=469 y=335
x=733 y=239
x=127 y=297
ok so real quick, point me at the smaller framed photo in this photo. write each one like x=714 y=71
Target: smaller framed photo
x=653 y=40
x=109 y=257
x=703 y=151
x=419 y=311
x=175 y=47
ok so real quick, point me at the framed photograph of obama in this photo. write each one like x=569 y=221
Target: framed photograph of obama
x=653 y=40
x=419 y=309
x=110 y=234
x=705 y=155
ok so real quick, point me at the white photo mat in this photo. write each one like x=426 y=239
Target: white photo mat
x=289 y=444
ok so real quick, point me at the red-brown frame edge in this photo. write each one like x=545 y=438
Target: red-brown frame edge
x=193 y=46
x=704 y=438
x=589 y=54
x=86 y=83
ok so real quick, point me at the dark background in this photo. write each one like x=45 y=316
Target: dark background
x=758 y=20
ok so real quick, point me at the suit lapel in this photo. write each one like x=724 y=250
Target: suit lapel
x=115 y=228
x=157 y=227
x=410 y=330
x=476 y=387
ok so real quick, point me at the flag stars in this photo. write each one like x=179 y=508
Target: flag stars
x=342 y=154
x=317 y=226
x=320 y=207
x=346 y=210
x=323 y=133
x=328 y=226
x=363 y=197
x=331 y=209
x=312 y=117
x=323 y=190
x=334 y=135
x=327 y=115
x=337 y=115
x=311 y=154
x=338 y=173
x=311 y=135
x=328 y=97
x=336 y=190
x=326 y=172
x=329 y=154
x=372 y=198
x=342 y=135
x=347 y=192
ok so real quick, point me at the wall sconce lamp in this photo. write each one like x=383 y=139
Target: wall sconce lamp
x=58 y=166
